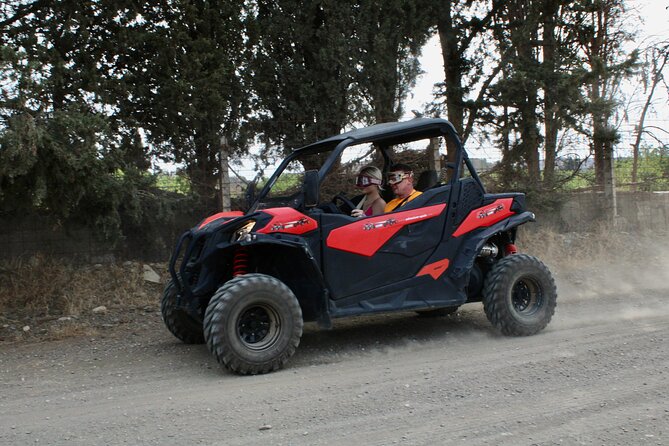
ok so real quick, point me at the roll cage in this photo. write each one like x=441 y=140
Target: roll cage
x=382 y=136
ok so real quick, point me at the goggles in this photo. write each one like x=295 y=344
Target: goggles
x=364 y=181
x=397 y=177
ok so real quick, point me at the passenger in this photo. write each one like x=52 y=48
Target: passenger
x=400 y=179
x=369 y=180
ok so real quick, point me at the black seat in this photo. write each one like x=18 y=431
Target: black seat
x=426 y=180
x=435 y=195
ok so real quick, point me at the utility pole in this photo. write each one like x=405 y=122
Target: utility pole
x=224 y=175
x=434 y=157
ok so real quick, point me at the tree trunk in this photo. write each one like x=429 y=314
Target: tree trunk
x=656 y=78
x=551 y=108
x=224 y=176
x=507 y=156
x=201 y=167
x=598 y=134
x=611 y=207
x=452 y=73
x=433 y=156
x=522 y=36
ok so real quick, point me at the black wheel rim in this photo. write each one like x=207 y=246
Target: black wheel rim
x=258 y=327
x=526 y=296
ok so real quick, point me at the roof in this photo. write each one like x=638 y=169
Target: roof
x=389 y=132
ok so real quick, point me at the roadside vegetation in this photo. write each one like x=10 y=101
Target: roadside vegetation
x=48 y=298
x=95 y=96
x=45 y=298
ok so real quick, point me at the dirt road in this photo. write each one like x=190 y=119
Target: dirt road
x=597 y=375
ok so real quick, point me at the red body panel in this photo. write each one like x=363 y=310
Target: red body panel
x=485 y=216
x=231 y=214
x=366 y=236
x=288 y=221
x=435 y=269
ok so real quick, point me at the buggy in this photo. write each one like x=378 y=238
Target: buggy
x=244 y=283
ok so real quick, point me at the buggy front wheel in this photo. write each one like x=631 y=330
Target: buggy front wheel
x=177 y=320
x=253 y=324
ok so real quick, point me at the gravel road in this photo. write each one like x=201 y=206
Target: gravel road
x=597 y=375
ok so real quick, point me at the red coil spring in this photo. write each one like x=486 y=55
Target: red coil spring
x=509 y=249
x=240 y=262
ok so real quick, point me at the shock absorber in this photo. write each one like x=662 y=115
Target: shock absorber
x=241 y=261
x=509 y=249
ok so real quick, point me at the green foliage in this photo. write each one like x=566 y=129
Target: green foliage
x=389 y=35
x=285 y=183
x=183 y=82
x=73 y=101
x=319 y=66
x=582 y=180
x=51 y=162
x=92 y=92
x=653 y=174
x=302 y=64
x=178 y=183
x=653 y=171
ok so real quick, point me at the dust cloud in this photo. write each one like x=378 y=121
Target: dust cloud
x=606 y=277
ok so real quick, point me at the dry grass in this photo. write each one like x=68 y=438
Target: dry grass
x=600 y=262
x=39 y=291
x=603 y=245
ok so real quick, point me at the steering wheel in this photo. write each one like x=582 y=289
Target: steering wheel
x=346 y=205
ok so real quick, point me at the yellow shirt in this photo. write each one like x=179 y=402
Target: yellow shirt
x=398 y=202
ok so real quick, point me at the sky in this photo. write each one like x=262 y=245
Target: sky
x=653 y=25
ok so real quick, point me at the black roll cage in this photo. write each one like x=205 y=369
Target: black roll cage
x=383 y=135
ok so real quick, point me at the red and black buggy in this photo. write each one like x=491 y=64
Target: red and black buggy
x=244 y=283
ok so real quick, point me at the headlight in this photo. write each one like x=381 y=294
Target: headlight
x=243 y=231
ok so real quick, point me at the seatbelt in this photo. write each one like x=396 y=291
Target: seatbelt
x=362 y=202
x=403 y=201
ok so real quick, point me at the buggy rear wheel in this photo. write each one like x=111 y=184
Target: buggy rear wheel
x=519 y=295
x=178 y=322
x=253 y=324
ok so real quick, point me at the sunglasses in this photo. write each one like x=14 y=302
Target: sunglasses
x=397 y=177
x=364 y=181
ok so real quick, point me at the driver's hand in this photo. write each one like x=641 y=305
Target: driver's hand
x=357 y=213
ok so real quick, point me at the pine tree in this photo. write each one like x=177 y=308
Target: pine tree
x=389 y=36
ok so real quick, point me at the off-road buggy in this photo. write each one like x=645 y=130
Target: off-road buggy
x=244 y=283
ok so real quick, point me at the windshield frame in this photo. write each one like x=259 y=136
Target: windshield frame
x=298 y=198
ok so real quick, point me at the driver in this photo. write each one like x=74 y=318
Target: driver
x=369 y=180
x=400 y=179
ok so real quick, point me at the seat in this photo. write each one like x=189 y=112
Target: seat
x=426 y=180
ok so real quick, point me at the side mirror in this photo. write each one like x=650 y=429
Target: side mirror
x=310 y=188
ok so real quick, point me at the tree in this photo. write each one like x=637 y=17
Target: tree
x=657 y=59
x=559 y=75
x=184 y=74
x=516 y=30
x=388 y=40
x=65 y=149
x=58 y=152
x=462 y=26
x=601 y=38
x=301 y=69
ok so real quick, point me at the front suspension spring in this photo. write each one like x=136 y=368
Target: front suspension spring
x=509 y=249
x=241 y=262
